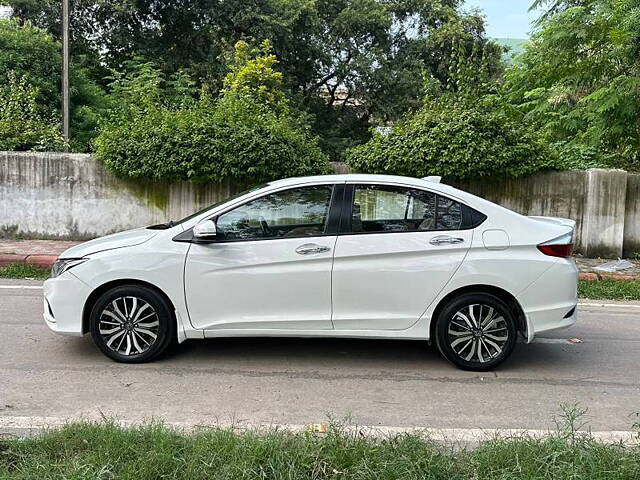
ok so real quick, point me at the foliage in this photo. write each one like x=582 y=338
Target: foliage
x=21 y=270
x=609 y=289
x=465 y=129
x=109 y=450
x=23 y=126
x=456 y=139
x=253 y=77
x=35 y=56
x=161 y=129
x=348 y=63
x=579 y=79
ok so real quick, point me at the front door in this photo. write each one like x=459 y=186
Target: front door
x=402 y=247
x=270 y=267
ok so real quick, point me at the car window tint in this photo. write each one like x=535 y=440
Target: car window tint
x=380 y=208
x=297 y=212
x=449 y=214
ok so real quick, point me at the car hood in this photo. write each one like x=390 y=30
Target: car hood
x=128 y=238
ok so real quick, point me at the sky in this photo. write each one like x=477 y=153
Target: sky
x=506 y=18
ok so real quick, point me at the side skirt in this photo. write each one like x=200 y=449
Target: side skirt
x=419 y=331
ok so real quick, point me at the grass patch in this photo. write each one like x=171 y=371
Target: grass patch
x=609 y=289
x=21 y=270
x=153 y=451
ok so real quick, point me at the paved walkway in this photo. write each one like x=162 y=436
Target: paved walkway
x=45 y=252
x=35 y=252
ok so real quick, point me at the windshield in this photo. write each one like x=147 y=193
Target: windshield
x=172 y=223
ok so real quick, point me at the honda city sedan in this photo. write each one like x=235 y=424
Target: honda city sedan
x=357 y=256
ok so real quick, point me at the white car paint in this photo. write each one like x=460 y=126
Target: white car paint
x=384 y=285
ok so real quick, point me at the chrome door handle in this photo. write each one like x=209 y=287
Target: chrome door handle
x=446 y=240
x=311 y=249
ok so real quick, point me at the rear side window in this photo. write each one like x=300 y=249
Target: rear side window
x=382 y=208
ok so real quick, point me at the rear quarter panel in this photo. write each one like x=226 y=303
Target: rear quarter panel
x=514 y=268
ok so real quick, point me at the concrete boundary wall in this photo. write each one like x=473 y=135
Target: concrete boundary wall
x=604 y=203
x=72 y=196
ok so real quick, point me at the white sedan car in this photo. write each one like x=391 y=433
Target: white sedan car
x=360 y=256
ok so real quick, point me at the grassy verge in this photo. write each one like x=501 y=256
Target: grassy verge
x=20 y=270
x=109 y=451
x=609 y=289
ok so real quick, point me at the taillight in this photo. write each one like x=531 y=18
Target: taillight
x=563 y=251
x=558 y=247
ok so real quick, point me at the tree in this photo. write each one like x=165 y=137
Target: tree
x=348 y=63
x=465 y=129
x=579 y=80
x=34 y=57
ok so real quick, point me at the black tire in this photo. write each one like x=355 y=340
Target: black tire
x=134 y=342
x=481 y=343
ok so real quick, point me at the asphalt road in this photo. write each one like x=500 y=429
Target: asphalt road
x=297 y=381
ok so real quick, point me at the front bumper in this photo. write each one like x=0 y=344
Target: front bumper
x=63 y=303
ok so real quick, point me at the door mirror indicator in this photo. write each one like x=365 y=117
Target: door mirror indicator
x=205 y=231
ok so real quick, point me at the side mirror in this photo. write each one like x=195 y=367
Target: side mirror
x=205 y=231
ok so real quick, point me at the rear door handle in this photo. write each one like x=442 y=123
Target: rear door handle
x=445 y=240
x=311 y=249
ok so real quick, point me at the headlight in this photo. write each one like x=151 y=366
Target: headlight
x=63 y=264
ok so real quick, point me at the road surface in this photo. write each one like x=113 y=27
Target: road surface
x=303 y=381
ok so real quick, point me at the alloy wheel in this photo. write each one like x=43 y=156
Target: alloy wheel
x=478 y=333
x=128 y=325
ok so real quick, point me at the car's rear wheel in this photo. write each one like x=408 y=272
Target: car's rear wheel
x=132 y=324
x=476 y=331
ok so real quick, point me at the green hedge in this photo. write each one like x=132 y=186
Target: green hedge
x=456 y=139
x=204 y=145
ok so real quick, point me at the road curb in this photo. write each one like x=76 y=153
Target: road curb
x=594 y=277
x=18 y=426
x=39 y=260
x=11 y=258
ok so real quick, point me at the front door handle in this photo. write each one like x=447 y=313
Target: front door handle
x=445 y=240
x=311 y=249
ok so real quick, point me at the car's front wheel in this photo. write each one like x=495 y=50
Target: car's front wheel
x=476 y=331
x=132 y=324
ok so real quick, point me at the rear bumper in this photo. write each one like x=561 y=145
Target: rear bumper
x=64 y=300
x=550 y=303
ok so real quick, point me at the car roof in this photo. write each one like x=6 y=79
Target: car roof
x=372 y=178
x=365 y=177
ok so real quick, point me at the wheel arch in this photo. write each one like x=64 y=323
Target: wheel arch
x=97 y=292
x=502 y=294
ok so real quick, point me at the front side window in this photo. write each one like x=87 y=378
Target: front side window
x=298 y=212
x=381 y=208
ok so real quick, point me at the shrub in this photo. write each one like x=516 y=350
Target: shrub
x=456 y=137
x=160 y=130
x=23 y=126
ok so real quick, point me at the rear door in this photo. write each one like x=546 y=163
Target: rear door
x=398 y=249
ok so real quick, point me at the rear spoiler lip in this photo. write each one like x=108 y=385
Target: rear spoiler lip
x=565 y=222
